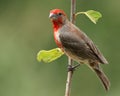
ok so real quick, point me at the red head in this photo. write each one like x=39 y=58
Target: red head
x=58 y=17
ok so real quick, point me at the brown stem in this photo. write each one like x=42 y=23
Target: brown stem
x=69 y=78
x=73 y=9
x=70 y=61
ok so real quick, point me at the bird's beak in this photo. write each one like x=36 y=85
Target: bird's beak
x=52 y=16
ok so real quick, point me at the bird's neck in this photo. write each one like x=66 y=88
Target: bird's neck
x=57 y=25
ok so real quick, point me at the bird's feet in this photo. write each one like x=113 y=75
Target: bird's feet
x=72 y=68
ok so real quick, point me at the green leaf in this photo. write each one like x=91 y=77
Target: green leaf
x=92 y=15
x=50 y=55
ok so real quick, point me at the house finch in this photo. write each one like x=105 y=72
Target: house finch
x=77 y=45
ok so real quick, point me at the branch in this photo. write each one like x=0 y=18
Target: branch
x=70 y=61
x=73 y=9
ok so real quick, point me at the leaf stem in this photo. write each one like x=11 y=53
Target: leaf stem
x=78 y=13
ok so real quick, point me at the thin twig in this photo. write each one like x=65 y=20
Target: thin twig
x=69 y=78
x=73 y=9
x=70 y=61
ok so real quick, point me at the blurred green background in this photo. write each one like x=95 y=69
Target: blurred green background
x=25 y=29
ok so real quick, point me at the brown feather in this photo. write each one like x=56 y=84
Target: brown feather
x=75 y=40
x=105 y=81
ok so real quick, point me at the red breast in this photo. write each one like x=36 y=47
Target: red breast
x=57 y=39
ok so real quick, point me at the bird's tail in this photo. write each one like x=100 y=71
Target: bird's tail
x=102 y=76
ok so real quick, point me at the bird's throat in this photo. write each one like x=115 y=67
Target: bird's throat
x=56 y=25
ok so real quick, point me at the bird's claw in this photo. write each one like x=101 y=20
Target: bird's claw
x=72 y=68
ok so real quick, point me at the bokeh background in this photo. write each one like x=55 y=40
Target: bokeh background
x=25 y=29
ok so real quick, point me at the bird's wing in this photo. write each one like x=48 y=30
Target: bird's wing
x=79 y=44
x=96 y=51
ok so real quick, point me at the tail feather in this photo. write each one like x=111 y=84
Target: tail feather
x=102 y=76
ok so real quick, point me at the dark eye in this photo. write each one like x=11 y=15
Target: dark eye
x=59 y=14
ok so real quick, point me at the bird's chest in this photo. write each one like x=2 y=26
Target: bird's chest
x=57 y=38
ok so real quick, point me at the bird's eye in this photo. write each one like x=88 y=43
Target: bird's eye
x=59 y=14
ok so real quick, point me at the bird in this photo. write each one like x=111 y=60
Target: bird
x=77 y=45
